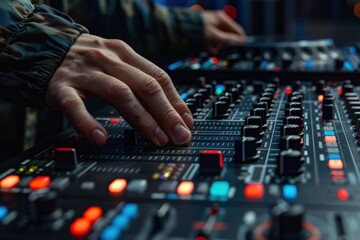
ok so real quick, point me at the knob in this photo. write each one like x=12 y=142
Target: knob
x=286 y=63
x=261 y=105
x=320 y=85
x=199 y=100
x=267 y=100
x=43 y=206
x=231 y=99
x=259 y=112
x=225 y=99
x=296 y=98
x=287 y=221
x=204 y=92
x=253 y=120
x=211 y=162
x=328 y=112
x=290 y=142
x=328 y=100
x=354 y=118
x=220 y=110
x=293 y=105
x=210 y=89
x=130 y=137
x=339 y=63
x=245 y=150
x=347 y=88
x=294 y=120
x=290 y=129
x=251 y=131
x=65 y=158
x=236 y=93
x=290 y=163
x=294 y=112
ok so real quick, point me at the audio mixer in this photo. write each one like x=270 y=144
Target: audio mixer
x=315 y=59
x=268 y=160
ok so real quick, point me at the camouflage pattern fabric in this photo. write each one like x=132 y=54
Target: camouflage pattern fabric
x=34 y=39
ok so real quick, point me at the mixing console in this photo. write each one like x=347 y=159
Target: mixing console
x=267 y=160
x=272 y=59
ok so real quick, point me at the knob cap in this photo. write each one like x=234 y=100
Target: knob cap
x=43 y=206
x=251 y=131
x=294 y=112
x=253 y=120
x=245 y=150
x=211 y=162
x=294 y=120
x=199 y=100
x=220 y=110
x=287 y=221
x=290 y=142
x=261 y=105
x=290 y=163
x=290 y=129
x=328 y=112
x=259 y=112
x=65 y=158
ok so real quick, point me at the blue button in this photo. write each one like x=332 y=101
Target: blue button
x=3 y=212
x=130 y=210
x=329 y=133
x=334 y=156
x=219 y=189
x=175 y=65
x=110 y=233
x=172 y=196
x=348 y=66
x=290 y=192
x=309 y=64
x=184 y=95
x=121 y=221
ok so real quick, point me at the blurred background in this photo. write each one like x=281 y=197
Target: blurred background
x=21 y=128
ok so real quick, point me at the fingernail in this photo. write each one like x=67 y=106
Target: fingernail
x=98 y=137
x=182 y=134
x=188 y=119
x=161 y=136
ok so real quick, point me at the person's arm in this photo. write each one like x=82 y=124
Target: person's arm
x=154 y=29
x=47 y=60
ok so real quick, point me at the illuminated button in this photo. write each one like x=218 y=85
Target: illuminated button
x=93 y=213
x=288 y=91
x=290 y=192
x=254 y=190
x=328 y=139
x=329 y=133
x=9 y=181
x=121 y=221
x=185 y=188
x=320 y=98
x=337 y=174
x=130 y=210
x=3 y=212
x=110 y=233
x=343 y=194
x=80 y=227
x=39 y=182
x=114 y=120
x=117 y=186
x=335 y=164
x=334 y=156
x=219 y=189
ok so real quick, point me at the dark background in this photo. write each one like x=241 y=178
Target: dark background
x=294 y=19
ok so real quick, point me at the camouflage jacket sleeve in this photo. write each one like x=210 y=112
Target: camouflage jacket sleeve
x=148 y=27
x=33 y=42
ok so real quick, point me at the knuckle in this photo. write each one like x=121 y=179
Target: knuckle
x=69 y=103
x=170 y=115
x=179 y=104
x=151 y=87
x=120 y=92
x=162 y=77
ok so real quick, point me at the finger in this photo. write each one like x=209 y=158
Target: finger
x=161 y=77
x=226 y=23
x=152 y=97
x=119 y=95
x=74 y=109
x=226 y=38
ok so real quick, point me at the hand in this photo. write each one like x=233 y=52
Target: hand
x=142 y=92
x=220 y=29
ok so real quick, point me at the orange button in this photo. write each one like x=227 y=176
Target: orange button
x=343 y=194
x=330 y=139
x=80 y=227
x=320 y=98
x=39 y=182
x=254 y=190
x=185 y=188
x=335 y=164
x=9 y=181
x=93 y=213
x=117 y=186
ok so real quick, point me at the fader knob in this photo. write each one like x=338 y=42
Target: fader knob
x=211 y=162
x=251 y=131
x=259 y=112
x=191 y=107
x=347 y=88
x=328 y=100
x=294 y=112
x=294 y=120
x=199 y=100
x=287 y=222
x=220 y=110
x=261 y=105
x=290 y=129
x=290 y=142
x=328 y=112
x=65 y=158
x=253 y=120
x=43 y=206
x=290 y=163
x=245 y=150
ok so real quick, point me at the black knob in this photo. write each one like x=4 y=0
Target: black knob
x=220 y=110
x=354 y=118
x=267 y=100
x=43 y=206
x=231 y=99
x=286 y=63
x=290 y=142
x=226 y=100
x=328 y=100
x=293 y=105
x=259 y=112
x=191 y=107
x=199 y=100
x=261 y=105
x=245 y=150
x=251 y=131
x=290 y=163
x=204 y=92
x=339 y=63
x=236 y=93
x=294 y=112
x=328 y=112
x=211 y=162
x=287 y=222
x=347 y=88
x=253 y=120
x=65 y=158
x=294 y=120
x=130 y=137
x=210 y=89
x=290 y=129
x=296 y=98
x=320 y=85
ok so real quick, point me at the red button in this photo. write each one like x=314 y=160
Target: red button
x=337 y=174
x=343 y=194
x=114 y=120
x=39 y=182
x=93 y=213
x=254 y=190
x=80 y=227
